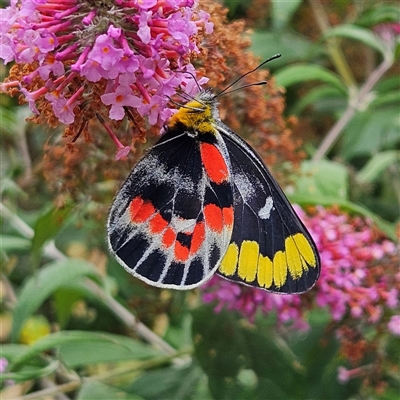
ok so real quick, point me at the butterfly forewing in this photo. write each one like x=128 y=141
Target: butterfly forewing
x=270 y=247
x=171 y=222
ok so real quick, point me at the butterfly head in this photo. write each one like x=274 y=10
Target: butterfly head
x=198 y=114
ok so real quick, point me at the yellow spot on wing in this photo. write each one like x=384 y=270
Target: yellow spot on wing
x=248 y=260
x=293 y=258
x=280 y=268
x=264 y=271
x=230 y=260
x=305 y=249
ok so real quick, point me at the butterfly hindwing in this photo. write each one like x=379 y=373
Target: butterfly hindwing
x=171 y=222
x=270 y=247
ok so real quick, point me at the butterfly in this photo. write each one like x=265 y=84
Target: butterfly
x=201 y=201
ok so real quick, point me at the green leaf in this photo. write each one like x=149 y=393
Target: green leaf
x=300 y=73
x=9 y=122
x=64 y=299
x=386 y=85
x=389 y=98
x=104 y=348
x=377 y=165
x=171 y=383
x=46 y=227
x=179 y=334
x=371 y=131
x=78 y=348
x=354 y=32
x=12 y=351
x=282 y=12
x=379 y=13
x=96 y=390
x=272 y=360
x=38 y=288
x=323 y=179
x=9 y=243
x=30 y=372
x=293 y=47
x=318 y=94
x=10 y=187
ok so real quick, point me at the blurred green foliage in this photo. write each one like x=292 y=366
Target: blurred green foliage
x=364 y=100
x=98 y=353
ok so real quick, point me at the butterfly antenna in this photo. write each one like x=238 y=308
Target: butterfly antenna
x=242 y=87
x=186 y=97
x=194 y=78
x=224 y=91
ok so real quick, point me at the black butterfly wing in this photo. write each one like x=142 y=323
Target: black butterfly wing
x=170 y=223
x=270 y=247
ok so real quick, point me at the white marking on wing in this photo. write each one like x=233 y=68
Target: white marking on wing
x=183 y=225
x=265 y=212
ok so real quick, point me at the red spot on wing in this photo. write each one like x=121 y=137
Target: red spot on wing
x=227 y=213
x=181 y=252
x=157 y=224
x=214 y=217
x=197 y=237
x=135 y=206
x=140 y=210
x=169 y=237
x=214 y=163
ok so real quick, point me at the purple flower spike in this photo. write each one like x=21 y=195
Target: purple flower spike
x=146 y=41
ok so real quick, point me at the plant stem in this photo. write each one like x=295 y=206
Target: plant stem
x=51 y=391
x=142 y=366
x=351 y=109
x=333 y=47
x=129 y=319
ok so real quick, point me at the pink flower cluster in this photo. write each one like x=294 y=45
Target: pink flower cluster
x=141 y=48
x=394 y=325
x=249 y=301
x=348 y=248
x=348 y=285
